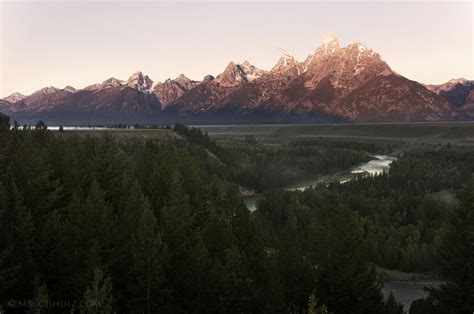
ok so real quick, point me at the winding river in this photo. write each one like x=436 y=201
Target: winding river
x=404 y=292
x=379 y=164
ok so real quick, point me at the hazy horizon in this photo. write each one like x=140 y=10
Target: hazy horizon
x=82 y=43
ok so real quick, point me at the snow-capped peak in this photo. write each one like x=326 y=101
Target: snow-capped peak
x=247 y=67
x=15 y=97
x=329 y=39
x=112 y=82
x=232 y=75
x=361 y=47
x=140 y=82
x=286 y=62
x=288 y=59
x=437 y=88
x=182 y=79
x=46 y=90
x=185 y=81
x=251 y=71
x=70 y=89
x=458 y=80
x=208 y=78
x=330 y=45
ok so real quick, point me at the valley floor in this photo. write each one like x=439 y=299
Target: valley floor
x=429 y=132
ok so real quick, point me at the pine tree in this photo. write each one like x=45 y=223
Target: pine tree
x=391 y=305
x=98 y=225
x=127 y=224
x=88 y=240
x=71 y=272
x=456 y=259
x=154 y=167
x=23 y=244
x=40 y=297
x=98 y=296
x=422 y=306
x=177 y=197
x=344 y=280
x=293 y=269
x=314 y=307
x=199 y=277
x=31 y=166
x=48 y=242
x=8 y=274
x=149 y=255
x=4 y=122
x=17 y=230
x=112 y=171
x=239 y=288
x=190 y=266
x=40 y=125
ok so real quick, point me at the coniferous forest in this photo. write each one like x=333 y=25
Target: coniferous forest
x=96 y=223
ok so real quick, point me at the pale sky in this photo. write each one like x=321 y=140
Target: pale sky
x=79 y=43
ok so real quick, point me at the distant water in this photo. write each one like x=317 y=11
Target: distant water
x=78 y=128
x=407 y=292
x=251 y=202
x=381 y=164
x=376 y=166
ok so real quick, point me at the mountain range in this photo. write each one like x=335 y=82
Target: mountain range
x=333 y=84
x=458 y=92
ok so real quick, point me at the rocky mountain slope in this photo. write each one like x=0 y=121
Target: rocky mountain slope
x=334 y=83
x=458 y=92
x=170 y=90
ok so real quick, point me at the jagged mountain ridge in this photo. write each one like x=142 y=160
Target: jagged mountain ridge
x=351 y=83
x=170 y=90
x=459 y=93
x=210 y=92
x=110 y=99
x=13 y=98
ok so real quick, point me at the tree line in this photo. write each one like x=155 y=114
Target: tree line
x=144 y=226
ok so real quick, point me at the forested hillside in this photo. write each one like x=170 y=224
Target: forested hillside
x=108 y=224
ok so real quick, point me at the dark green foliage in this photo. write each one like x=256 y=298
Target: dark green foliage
x=87 y=239
x=262 y=166
x=196 y=136
x=456 y=259
x=159 y=226
x=396 y=222
x=41 y=126
x=17 y=239
x=239 y=288
x=401 y=216
x=344 y=280
x=422 y=306
x=319 y=248
x=4 y=123
x=293 y=271
x=149 y=260
x=314 y=307
x=98 y=296
x=40 y=297
x=391 y=305
x=8 y=272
